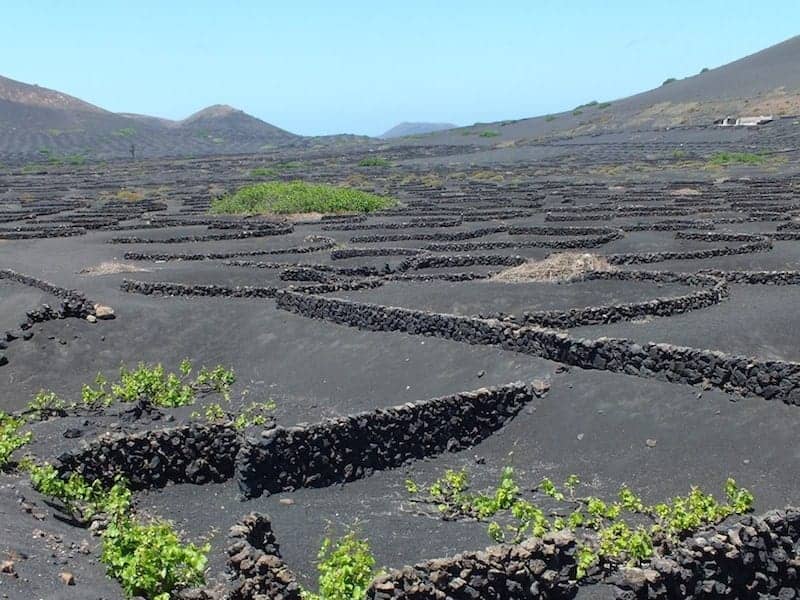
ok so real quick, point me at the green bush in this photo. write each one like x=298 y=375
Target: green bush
x=298 y=197
x=374 y=161
x=147 y=559
x=723 y=159
x=150 y=560
x=81 y=500
x=550 y=118
x=124 y=132
x=346 y=569
x=614 y=539
x=489 y=133
x=587 y=105
x=45 y=405
x=161 y=388
x=10 y=437
x=669 y=80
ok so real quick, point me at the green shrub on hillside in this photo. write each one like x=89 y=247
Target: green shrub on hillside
x=722 y=159
x=297 y=197
x=374 y=161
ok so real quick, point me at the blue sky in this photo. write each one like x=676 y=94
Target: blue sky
x=321 y=67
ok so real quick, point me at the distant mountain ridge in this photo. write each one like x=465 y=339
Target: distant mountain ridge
x=34 y=119
x=419 y=128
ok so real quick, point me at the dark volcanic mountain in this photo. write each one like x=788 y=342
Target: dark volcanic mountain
x=404 y=129
x=36 y=120
x=764 y=83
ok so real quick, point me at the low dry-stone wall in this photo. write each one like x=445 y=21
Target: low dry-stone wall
x=712 y=292
x=758 y=557
x=194 y=453
x=352 y=447
x=317 y=244
x=533 y=570
x=343 y=253
x=747 y=376
x=560 y=244
x=165 y=288
x=432 y=261
x=762 y=245
x=73 y=304
x=254 y=559
x=241 y=234
x=756 y=277
x=440 y=236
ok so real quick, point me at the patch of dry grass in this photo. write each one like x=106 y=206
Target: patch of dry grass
x=110 y=268
x=564 y=266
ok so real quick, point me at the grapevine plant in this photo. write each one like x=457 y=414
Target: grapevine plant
x=346 y=569
x=624 y=531
x=163 y=389
x=10 y=437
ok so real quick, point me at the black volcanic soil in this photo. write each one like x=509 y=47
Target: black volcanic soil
x=592 y=423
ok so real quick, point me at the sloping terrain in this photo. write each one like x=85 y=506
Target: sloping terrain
x=765 y=83
x=404 y=129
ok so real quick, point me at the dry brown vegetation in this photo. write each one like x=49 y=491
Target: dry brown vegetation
x=110 y=268
x=564 y=266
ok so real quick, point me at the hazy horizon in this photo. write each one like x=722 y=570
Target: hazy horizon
x=321 y=69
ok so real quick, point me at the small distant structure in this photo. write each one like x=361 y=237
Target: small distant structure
x=743 y=121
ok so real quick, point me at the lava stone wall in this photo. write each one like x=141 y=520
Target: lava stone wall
x=352 y=447
x=535 y=569
x=762 y=245
x=191 y=453
x=254 y=558
x=163 y=288
x=748 y=376
x=319 y=243
x=756 y=277
x=754 y=558
x=712 y=291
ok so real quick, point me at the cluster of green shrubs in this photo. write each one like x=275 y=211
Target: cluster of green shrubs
x=612 y=538
x=255 y=414
x=723 y=159
x=154 y=383
x=486 y=133
x=298 y=197
x=148 y=559
x=374 y=161
x=125 y=132
x=593 y=103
